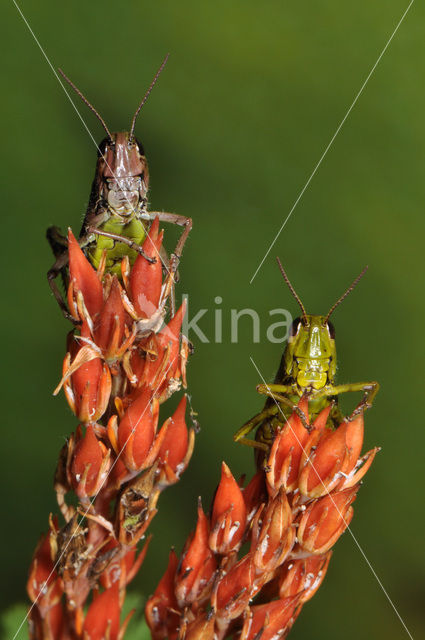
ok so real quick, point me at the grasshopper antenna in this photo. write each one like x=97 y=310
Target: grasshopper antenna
x=146 y=96
x=84 y=99
x=292 y=290
x=345 y=294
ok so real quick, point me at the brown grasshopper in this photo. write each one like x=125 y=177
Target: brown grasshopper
x=117 y=220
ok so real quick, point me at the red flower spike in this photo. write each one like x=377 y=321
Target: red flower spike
x=84 y=277
x=146 y=278
x=228 y=517
x=109 y=326
x=303 y=576
x=285 y=455
x=102 y=620
x=174 y=446
x=335 y=454
x=235 y=589
x=276 y=535
x=161 y=611
x=197 y=566
x=90 y=465
x=325 y=520
x=270 y=621
x=136 y=431
x=42 y=571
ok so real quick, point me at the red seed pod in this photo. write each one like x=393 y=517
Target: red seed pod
x=197 y=566
x=336 y=453
x=103 y=616
x=145 y=277
x=177 y=446
x=228 y=517
x=235 y=589
x=303 y=576
x=83 y=277
x=325 y=520
x=52 y=625
x=159 y=371
x=276 y=535
x=136 y=432
x=285 y=455
x=90 y=464
x=111 y=323
x=201 y=628
x=86 y=380
x=270 y=621
x=44 y=585
x=161 y=611
x=121 y=569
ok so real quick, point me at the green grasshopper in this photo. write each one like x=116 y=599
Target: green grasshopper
x=117 y=219
x=307 y=368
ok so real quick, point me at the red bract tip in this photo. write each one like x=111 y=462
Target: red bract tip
x=174 y=446
x=84 y=277
x=136 y=431
x=270 y=621
x=285 y=455
x=103 y=616
x=197 y=566
x=161 y=609
x=325 y=520
x=146 y=277
x=90 y=464
x=228 y=516
x=254 y=494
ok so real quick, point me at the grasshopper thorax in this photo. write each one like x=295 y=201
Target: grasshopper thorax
x=122 y=174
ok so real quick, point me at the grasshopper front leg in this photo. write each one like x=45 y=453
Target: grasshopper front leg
x=249 y=426
x=370 y=390
x=181 y=221
x=275 y=391
x=116 y=236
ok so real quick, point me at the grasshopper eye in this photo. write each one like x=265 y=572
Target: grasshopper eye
x=101 y=150
x=139 y=146
x=331 y=330
x=294 y=327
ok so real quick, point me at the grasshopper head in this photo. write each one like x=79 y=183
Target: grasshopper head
x=122 y=172
x=122 y=177
x=310 y=354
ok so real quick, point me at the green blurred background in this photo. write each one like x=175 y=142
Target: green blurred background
x=250 y=98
